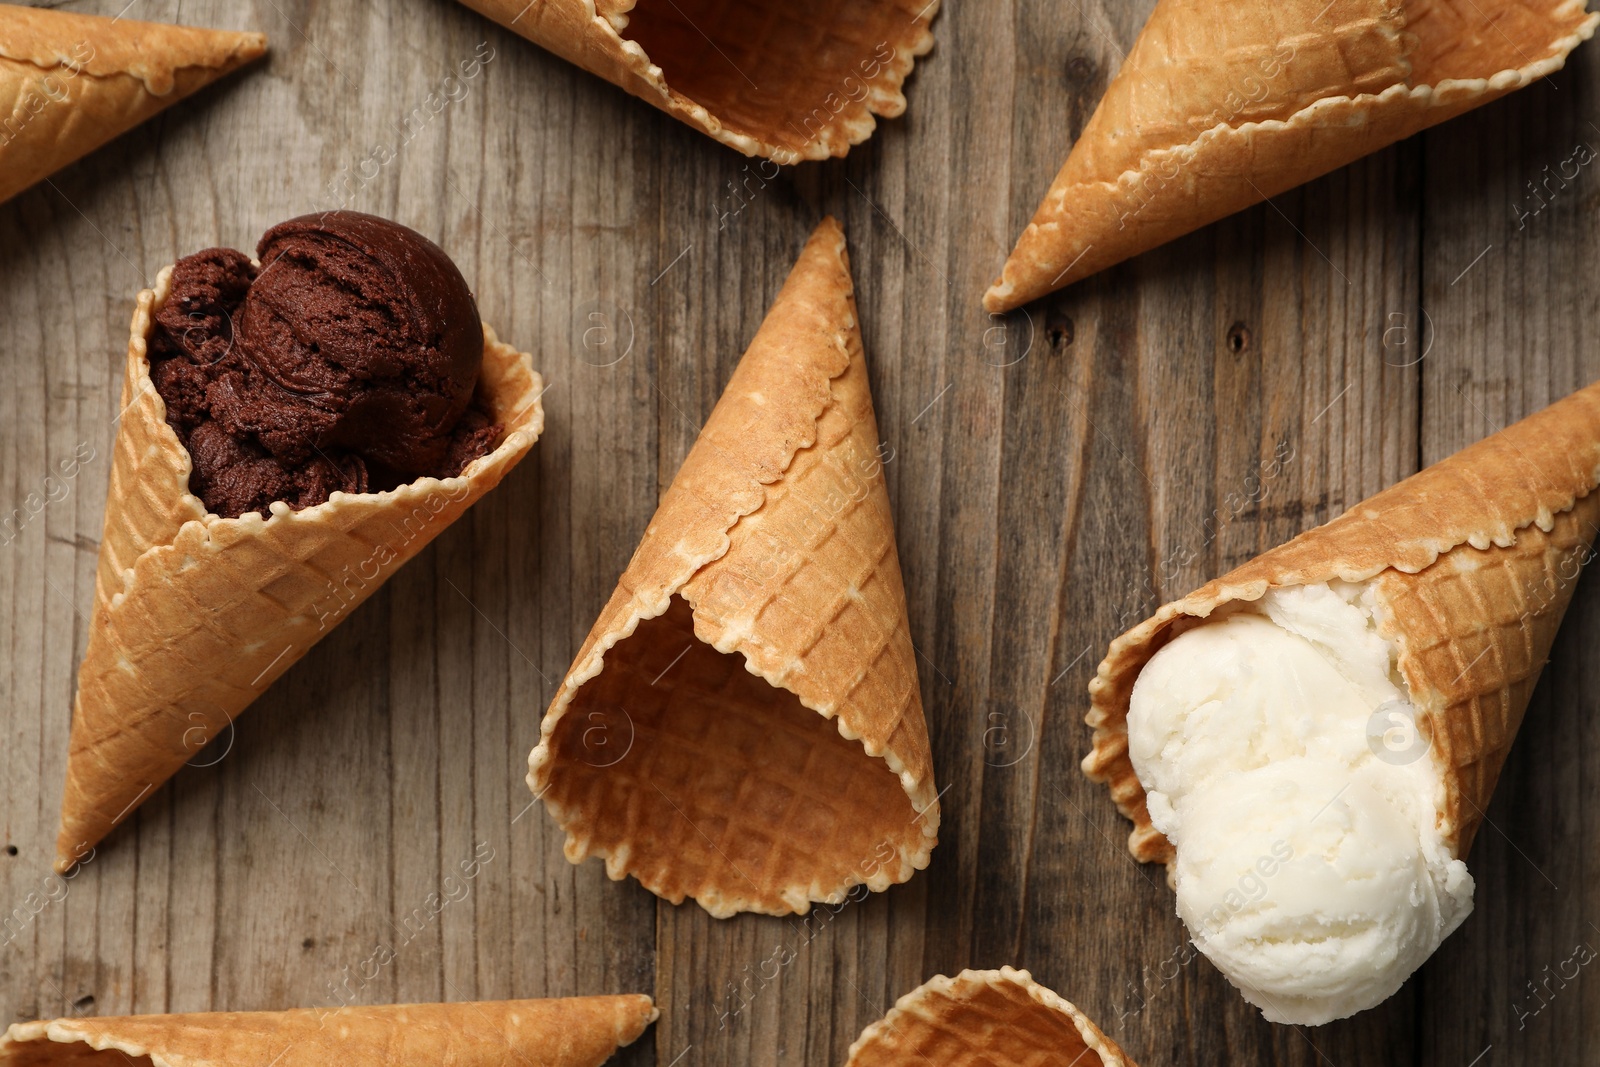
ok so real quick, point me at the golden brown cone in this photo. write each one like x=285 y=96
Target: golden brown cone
x=769 y=748
x=196 y=615
x=1210 y=115
x=575 y=1032
x=77 y=81
x=766 y=77
x=1474 y=560
x=984 y=1019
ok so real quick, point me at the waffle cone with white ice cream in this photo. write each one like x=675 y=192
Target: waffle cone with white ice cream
x=74 y=82
x=1209 y=115
x=571 y=1032
x=765 y=77
x=743 y=725
x=197 y=613
x=984 y=1018
x=1310 y=741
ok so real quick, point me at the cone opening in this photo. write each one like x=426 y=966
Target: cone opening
x=48 y=1053
x=792 y=76
x=702 y=780
x=1473 y=39
x=507 y=383
x=982 y=1017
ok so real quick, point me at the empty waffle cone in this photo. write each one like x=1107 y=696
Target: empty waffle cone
x=984 y=1019
x=75 y=82
x=743 y=724
x=1210 y=115
x=766 y=77
x=575 y=1032
x=1473 y=561
x=196 y=615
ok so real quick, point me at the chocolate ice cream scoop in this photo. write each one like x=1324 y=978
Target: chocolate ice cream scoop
x=372 y=325
x=347 y=361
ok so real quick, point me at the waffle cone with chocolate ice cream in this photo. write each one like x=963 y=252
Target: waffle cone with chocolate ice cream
x=765 y=77
x=574 y=1032
x=195 y=613
x=743 y=724
x=1210 y=114
x=984 y=1019
x=1473 y=562
x=74 y=82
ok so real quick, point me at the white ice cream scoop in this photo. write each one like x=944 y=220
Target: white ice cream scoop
x=1274 y=749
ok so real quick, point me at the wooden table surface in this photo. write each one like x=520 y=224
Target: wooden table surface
x=1049 y=468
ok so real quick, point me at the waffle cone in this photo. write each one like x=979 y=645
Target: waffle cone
x=75 y=82
x=743 y=724
x=1210 y=115
x=196 y=615
x=1473 y=561
x=766 y=77
x=984 y=1018
x=576 y=1032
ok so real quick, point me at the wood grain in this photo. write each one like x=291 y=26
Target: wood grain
x=1057 y=473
